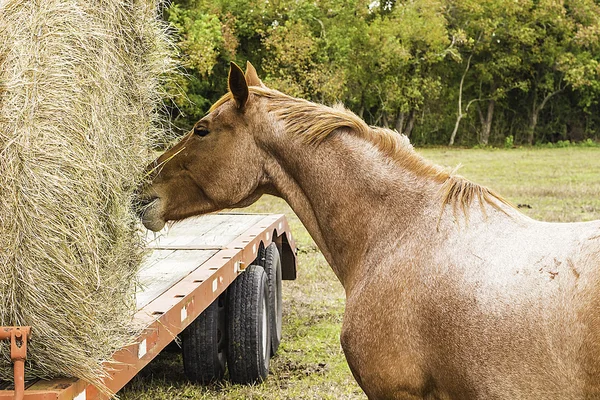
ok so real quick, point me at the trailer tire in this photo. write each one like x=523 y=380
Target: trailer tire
x=248 y=331
x=204 y=344
x=270 y=259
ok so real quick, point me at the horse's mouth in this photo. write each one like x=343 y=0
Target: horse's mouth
x=148 y=201
x=148 y=210
x=142 y=203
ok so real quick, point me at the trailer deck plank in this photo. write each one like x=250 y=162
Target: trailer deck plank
x=164 y=268
x=183 y=246
x=215 y=230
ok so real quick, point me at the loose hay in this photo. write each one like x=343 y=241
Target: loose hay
x=79 y=89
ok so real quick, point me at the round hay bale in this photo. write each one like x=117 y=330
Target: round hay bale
x=80 y=91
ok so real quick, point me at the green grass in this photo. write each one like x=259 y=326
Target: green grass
x=561 y=185
x=558 y=184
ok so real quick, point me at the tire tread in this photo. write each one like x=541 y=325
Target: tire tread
x=244 y=356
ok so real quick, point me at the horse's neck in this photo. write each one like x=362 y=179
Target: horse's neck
x=348 y=195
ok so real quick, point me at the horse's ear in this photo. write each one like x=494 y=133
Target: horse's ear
x=252 y=78
x=237 y=85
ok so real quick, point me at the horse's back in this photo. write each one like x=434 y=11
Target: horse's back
x=493 y=312
x=524 y=309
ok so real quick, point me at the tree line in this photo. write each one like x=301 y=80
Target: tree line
x=462 y=72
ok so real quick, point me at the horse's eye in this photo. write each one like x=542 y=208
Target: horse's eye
x=200 y=131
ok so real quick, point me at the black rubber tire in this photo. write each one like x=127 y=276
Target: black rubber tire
x=204 y=344
x=271 y=262
x=248 y=331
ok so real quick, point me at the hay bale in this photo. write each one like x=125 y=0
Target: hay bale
x=79 y=90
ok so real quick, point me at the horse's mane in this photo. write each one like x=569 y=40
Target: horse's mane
x=315 y=122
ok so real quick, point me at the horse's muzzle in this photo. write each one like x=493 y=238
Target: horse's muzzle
x=147 y=207
x=149 y=213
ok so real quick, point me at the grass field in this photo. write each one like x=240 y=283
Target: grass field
x=557 y=184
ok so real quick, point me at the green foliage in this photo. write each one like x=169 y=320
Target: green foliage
x=567 y=143
x=206 y=41
x=530 y=69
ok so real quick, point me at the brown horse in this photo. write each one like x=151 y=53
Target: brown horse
x=451 y=292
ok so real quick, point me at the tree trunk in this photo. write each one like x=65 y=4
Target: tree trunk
x=533 y=119
x=486 y=123
x=453 y=135
x=459 y=114
x=376 y=123
x=535 y=112
x=361 y=111
x=399 y=124
x=411 y=123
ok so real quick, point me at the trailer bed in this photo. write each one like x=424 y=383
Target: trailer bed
x=185 y=248
x=190 y=265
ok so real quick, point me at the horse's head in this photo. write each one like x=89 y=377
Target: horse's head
x=215 y=166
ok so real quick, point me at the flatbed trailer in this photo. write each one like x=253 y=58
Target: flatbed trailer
x=189 y=268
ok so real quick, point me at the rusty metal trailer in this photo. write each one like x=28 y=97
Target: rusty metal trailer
x=190 y=267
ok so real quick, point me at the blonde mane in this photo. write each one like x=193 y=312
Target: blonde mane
x=315 y=122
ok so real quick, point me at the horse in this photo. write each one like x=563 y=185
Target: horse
x=451 y=292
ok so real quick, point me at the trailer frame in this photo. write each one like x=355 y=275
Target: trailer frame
x=172 y=311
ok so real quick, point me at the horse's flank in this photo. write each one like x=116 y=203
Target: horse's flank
x=315 y=122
